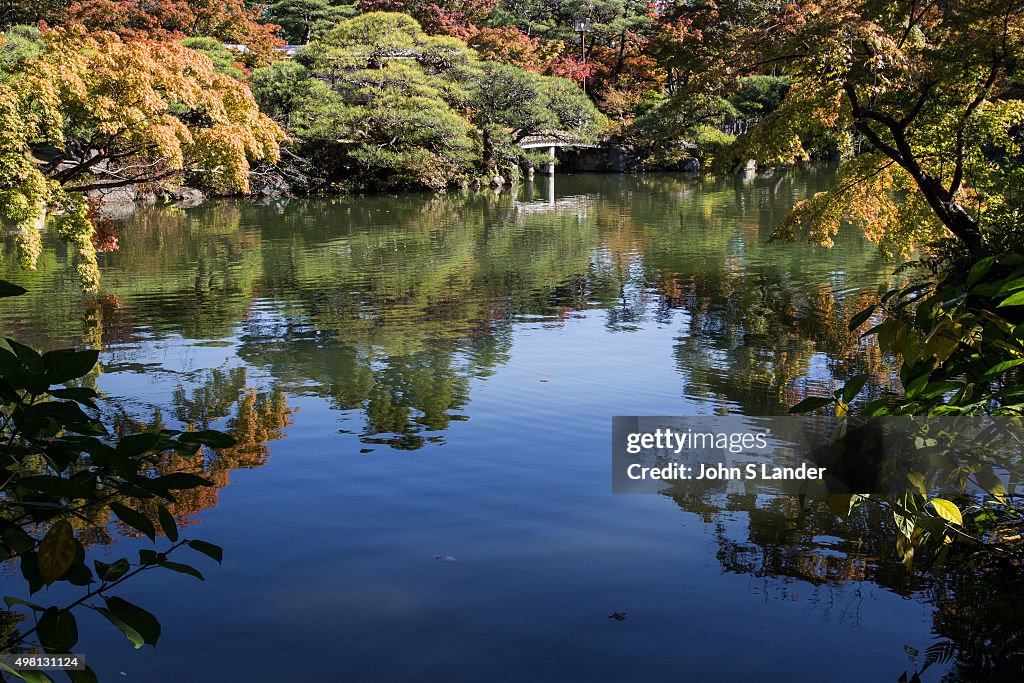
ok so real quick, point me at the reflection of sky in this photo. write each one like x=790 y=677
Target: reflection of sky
x=330 y=553
x=330 y=569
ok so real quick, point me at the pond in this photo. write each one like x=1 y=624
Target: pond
x=422 y=389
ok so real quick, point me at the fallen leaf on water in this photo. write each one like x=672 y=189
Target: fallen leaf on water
x=618 y=616
x=543 y=380
x=366 y=450
x=445 y=558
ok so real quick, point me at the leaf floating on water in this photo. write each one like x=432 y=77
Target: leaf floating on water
x=445 y=558
x=544 y=380
x=366 y=450
x=618 y=616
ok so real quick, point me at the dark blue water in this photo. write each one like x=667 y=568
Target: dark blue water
x=423 y=390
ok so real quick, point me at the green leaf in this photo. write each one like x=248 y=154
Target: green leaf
x=17 y=376
x=879 y=406
x=905 y=548
x=57 y=551
x=57 y=630
x=810 y=404
x=141 y=621
x=988 y=480
x=112 y=571
x=147 y=556
x=55 y=486
x=134 y=636
x=208 y=549
x=947 y=510
x=29 y=675
x=135 y=445
x=81 y=395
x=842 y=504
x=64 y=365
x=167 y=523
x=933 y=389
x=979 y=269
x=181 y=480
x=7 y=669
x=1011 y=286
x=1000 y=368
x=182 y=569
x=853 y=387
x=917 y=479
x=10 y=289
x=85 y=675
x=28 y=356
x=11 y=602
x=916 y=386
x=134 y=519
x=905 y=524
x=30 y=571
x=1013 y=300
x=862 y=317
x=209 y=437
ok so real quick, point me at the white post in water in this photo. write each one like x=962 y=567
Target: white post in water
x=551 y=164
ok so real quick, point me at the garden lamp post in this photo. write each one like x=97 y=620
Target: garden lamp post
x=582 y=26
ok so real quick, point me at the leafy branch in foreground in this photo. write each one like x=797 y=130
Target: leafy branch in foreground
x=960 y=349
x=61 y=472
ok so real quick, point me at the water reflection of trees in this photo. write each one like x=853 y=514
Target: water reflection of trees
x=977 y=624
x=390 y=306
x=220 y=398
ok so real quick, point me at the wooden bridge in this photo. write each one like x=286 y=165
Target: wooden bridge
x=551 y=140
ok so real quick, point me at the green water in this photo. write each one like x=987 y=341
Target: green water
x=418 y=377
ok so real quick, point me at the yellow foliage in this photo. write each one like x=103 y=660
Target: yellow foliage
x=119 y=112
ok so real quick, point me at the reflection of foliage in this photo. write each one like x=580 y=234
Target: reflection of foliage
x=979 y=616
x=390 y=306
x=62 y=468
x=787 y=538
x=258 y=419
x=212 y=400
x=977 y=621
x=252 y=419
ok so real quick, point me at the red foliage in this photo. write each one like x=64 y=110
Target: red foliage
x=231 y=21
x=104 y=236
x=511 y=46
x=637 y=72
x=438 y=17
x=570 y=67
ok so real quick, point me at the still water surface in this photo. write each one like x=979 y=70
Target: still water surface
x=422 y=377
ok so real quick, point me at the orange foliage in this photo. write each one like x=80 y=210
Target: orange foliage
x=231 y=21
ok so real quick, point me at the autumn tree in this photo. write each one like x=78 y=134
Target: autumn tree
x=438 y=17
x=224 y=60
x=616 y=42
x=927 y=96
x=14 y=12
x=509 y=45
x=230 y=21
x=94 y=114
